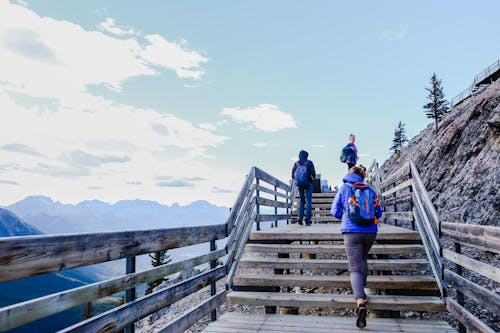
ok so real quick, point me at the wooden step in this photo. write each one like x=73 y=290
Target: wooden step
x=417 y=282
x=318 y=200
x=337 y=301
x=231 y=322
x=317 y=212
x=332 y=249
x=333 y=264
x=328 y=232
x=320 y=195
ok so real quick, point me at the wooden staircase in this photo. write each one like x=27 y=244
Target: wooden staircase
x=297 y=266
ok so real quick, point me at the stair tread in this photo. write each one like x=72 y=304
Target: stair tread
x=332 y=248
x=421 y=282
x=376 y=302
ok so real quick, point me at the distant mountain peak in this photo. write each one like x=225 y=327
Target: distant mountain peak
x=11 y=225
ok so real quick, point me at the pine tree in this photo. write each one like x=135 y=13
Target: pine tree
x=158 y=258
x=438 y=105
x=87 y=311
x=399 y=139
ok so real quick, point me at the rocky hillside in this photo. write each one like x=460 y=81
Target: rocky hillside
x=460 y=165
x=11 y=225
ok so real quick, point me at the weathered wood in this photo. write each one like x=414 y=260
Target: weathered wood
x=472 y=323
x=420 y=282
x=32 y=255
x=337 y=301
x=397 y=188
x=432 y=254
x=483 y=237
x=242 y=196
x=333 y=264
x=398 y=199
x=235 y=239
x=271 y=217
x=403 y=216
x=403 y=171
x=272 y=192
x=194 y=315
x=261 y=174
x=418 y=186
x=426 y=225
x=21 y=313
x=332 y=249
x=484 y=297
x=272 y=203
x=486 y=270
x=116 y=319
x=250 y=323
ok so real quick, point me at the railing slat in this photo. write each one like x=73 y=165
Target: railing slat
x=21 y=313
x=116 y=319
x=466 y=318
x=268 y=190
x=397 y=188
x=489 y=271
x=242 y=196
x=261 y=174
x=403 y=171
x=483 y=237
x=194 y=315
x=403 y=216
x=272 y=203
x=32 y=255
x=271 y=217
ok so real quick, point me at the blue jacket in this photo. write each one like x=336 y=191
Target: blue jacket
x=340 y=206
x=351 y=152
x=303 y=155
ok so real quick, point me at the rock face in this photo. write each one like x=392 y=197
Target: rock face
x=460 y=165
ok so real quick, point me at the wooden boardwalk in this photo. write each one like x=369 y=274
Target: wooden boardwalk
x=246 y=323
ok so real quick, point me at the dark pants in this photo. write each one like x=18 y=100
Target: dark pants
x=305 y=193
x=350 y=165
x=357 y=246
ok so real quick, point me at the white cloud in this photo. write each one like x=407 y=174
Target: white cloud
x=261 y=144
x=109 y=25
x=265 y=117
x=389 y=35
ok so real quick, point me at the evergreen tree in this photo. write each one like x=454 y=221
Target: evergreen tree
x=438 y=105
x=158 y=258
x=399 y=139
x=87 y=311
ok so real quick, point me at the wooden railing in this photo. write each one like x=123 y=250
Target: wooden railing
x=26 y=256
x=403 y=191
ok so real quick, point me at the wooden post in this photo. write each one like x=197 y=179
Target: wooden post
x=460 y=295
x=257 y=207
x=213 y=287
x=130 y=294
x=275 y=208
x=288 y=194
x=395 y=204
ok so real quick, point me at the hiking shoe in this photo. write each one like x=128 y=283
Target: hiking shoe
x=299 y=222
x=308 y=223
x=361 y=321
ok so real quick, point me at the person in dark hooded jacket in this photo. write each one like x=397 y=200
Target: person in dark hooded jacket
x=358 y=239
x=305 y=191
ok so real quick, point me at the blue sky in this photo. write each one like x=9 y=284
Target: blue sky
x=175 y=101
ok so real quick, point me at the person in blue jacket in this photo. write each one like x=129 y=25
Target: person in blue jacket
x=350 y=151
x=305 y=191
x=358 y=239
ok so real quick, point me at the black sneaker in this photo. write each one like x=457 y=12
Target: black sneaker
x=308 y=223
x=361 y=321
x=299 y=222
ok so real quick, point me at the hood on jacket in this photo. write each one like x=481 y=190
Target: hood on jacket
x=303 y=156
x=352 y=178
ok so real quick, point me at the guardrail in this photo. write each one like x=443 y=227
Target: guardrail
x=404 y=191
x=478 y=79
x=26 y=256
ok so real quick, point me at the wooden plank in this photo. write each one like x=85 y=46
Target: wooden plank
x=271 y=217
x=32 y=255
x=116 y=319
x=21 y=313
x=420 y=282
x=471 y=322
x=337 y=301
x=403 y=216
x=248 y=323
x=403 y=171
x=484 y=297
x=418 y=186
x=244 y=193
x=483 y=237
x=332 y=249
x=272 y=192
x=240 y=222
x=397 y=188
x=398 y=199
x=194 y=315
x=333 y=264
x=484 y=269
x=261 y=174
x=272 y=203
x=234 y=242
x=426 y=225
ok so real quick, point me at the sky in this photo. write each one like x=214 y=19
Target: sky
x=175 y=101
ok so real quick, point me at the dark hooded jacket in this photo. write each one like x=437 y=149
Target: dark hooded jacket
x=304 y=161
